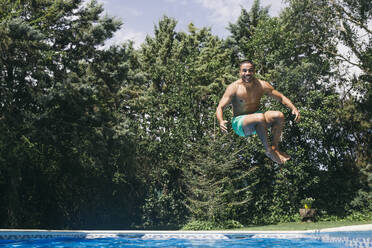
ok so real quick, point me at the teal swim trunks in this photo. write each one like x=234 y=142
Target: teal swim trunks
x=237 y=125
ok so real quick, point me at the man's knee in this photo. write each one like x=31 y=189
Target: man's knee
x=274 y=115
x=257 y=118
x=260 y=118
x=279 y=115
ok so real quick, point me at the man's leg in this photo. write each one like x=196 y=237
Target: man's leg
x=257 y=122
x=276 y=120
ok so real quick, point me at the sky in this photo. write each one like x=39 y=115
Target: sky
x=140 y=16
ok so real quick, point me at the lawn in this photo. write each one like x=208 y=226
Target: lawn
x=300 y=226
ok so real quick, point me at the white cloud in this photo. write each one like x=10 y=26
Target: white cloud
x=125 y=34
x=223 y=11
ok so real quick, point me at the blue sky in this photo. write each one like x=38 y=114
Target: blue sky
x=140 y=16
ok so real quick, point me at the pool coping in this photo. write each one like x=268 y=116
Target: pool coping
x=45 y=232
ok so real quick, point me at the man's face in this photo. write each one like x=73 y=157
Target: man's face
x=247 y=72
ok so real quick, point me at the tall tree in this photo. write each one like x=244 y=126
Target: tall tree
x=244 y=29
x=347 y=39
x=183 y=70
x=295 y=65
x=64 y=132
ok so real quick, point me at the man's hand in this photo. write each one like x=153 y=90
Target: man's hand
x=223 y=126
x=295 y=112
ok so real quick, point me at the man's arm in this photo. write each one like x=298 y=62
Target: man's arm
x=283 y=99
x=225 y=100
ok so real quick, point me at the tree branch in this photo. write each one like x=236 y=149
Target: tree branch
x=337 y=55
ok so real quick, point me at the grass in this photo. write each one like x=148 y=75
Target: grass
x=301 y=226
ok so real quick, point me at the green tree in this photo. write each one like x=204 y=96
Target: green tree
x=183 y=70
x=66 y=142
x=295 y=66
x=244 y=29
x=344 y=23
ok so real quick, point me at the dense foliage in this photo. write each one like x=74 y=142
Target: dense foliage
x=127 y=138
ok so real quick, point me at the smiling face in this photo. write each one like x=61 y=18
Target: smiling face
x=247 y=72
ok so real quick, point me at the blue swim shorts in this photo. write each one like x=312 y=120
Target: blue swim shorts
x=237 y=125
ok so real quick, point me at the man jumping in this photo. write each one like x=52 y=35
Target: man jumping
x=245 y=95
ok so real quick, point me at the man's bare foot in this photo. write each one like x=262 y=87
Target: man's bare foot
x=284 y=157
x=274 y=156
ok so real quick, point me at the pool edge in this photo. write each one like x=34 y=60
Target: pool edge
x=364 y=227
x=329 y=235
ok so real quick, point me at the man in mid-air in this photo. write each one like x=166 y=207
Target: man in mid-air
x=245 y=95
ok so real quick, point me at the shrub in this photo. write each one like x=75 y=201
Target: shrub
x=211 y=225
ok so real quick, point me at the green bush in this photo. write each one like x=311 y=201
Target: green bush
x=363 y=215
x=231 y=224
x=359 y=215
x=211 y=225
x=200 y=225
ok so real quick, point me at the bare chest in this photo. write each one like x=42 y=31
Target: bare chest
x=247 y=95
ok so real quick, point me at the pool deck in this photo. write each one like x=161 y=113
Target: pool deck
x=365 y=227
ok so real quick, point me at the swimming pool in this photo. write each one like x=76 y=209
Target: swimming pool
x=85 y=239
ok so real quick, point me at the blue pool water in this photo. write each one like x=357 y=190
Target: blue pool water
x=324 y=240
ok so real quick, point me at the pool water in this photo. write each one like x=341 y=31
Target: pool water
x=122 y=242
x=219 y=240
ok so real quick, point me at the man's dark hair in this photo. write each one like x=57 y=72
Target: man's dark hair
x=246 y=61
